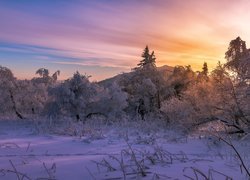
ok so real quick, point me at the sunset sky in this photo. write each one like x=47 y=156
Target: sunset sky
x=106 y=37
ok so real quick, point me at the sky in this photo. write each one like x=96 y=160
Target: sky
x=103 y=38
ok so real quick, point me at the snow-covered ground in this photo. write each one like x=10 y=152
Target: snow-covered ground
x=115 y=154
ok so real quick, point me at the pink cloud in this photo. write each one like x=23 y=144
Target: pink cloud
x=200 y=29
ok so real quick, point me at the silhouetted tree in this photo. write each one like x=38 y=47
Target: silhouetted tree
x=55 y=75
x=238 y=60
x=205 y=69
x=43 y=72
x=148 y=60
x=45 y=76
x=236 y=50
x=203 y=75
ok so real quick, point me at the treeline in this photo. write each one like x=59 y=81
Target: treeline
x=176 y=96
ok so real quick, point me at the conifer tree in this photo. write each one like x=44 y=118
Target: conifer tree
x=237 y=57
x=236 y=50
x=148 y=59
x=205 y=69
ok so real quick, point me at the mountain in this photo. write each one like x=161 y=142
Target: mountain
x=165 y=70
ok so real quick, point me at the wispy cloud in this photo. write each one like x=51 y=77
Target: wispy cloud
x=113 y=33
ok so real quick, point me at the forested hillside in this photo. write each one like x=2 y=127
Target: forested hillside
x=175 y=95
x=151 y=123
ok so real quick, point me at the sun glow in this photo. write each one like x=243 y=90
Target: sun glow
x=95 y=36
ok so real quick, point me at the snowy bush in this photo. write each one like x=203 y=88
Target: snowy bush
x=82 y=100
x=71 y=97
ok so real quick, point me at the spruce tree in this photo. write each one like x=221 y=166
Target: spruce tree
x=237 y=57
x=148 y=59
x=205 y=69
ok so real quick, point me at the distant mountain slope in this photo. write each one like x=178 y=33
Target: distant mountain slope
x=165 y=70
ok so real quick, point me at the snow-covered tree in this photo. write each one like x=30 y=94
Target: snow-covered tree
x=45 y=76
x=81 y=99
x=139 y=89
x=145 y=86
x=110 y=102
x=71 y=97
x=181 y=78
x=238 y=59
x=233 y=100
x=7 y=91
x=31 y=97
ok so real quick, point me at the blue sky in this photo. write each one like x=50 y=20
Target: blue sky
x=106 y=37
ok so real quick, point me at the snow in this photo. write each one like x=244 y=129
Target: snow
x=50 y=156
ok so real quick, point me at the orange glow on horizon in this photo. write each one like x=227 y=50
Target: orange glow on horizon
x=105 y=39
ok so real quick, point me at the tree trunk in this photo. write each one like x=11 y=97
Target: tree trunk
x=14 y=105
x=158 y=100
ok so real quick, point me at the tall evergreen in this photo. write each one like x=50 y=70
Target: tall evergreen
x=236 y=50
x=148 y=59
x=205 y=69
x=237 y=57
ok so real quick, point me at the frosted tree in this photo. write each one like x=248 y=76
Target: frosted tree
x=45 y=76
x=232 y=99
x=140 y=88
x=145 y=85
x=110 y=102
x=238 y=68
x=71 y=97
x=7 y=88
x=117 y=101
x=238 y=59
x=31 y=97
x=34 y=94
x=181 y=78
